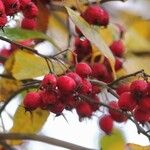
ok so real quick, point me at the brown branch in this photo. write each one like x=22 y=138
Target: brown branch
x=41 y=138
x=7 y=76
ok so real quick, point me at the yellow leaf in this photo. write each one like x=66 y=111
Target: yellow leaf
x=136 y=63
x=26 y=122
x=24 y=65
x=93 y=35
x=115 y=141
x=8 y=87
x=131 y=146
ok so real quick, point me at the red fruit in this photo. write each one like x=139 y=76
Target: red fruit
x=138 y=88
x=95 y=89
x=12 y=7
x=106 y=124
x=117 y=48
x=3 y=20
x=126 y=101
x=32 y=101
x=95 y=104
x=24 y=3
x=49 y=81
x=86 y=87
x=75 y=77
x=2 y=8
x=83 y=69
x=99 y=71
x=141 y=115
x=48 y=98
x=117 y=116
x=28 y=23
x=5 y=53
x=96 y=15
x=123 y=88
x=84 y=110
x=118 y=64
x=144 y=104
x=66 y=84
x=30 y=11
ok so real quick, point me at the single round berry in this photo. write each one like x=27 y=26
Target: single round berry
x=126 y=101
x=29 y=23
x=66 y=84
x=117 y=116
x=32 y=101
x=141 y=115
x=49 y=81
x=83 y=69
x=24 y=3
x=144 y=103
x=123 y=88
x=96 y=15
x=138 y=88
x=117 y=47
x=106 y=124
x=84 y=110
x=2 y=8
x=86 y=87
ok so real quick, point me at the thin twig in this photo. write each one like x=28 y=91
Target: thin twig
x=41 y=138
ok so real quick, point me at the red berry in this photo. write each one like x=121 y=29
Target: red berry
x=30 y=11
x=2 y=8
x=117 y=116
x=123 y=88
x=84 y=110
x=86 y=87
x=95 y=104
x=118 y=63
x=126 y=101
x=12 y=7
x=3 y=20
x=138 y=88
x=32 y=101
x=28 y=23
x=49 y=80
x=95 y=89
x=5 y=53
x=96 y=15
x=141 y=115
x=24 y=3
x=117 y=48
x=144 y=103
x=66 y=84
x=83 y=69
x=75 y=77
x=106 y=124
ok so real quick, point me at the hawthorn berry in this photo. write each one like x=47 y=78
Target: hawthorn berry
x=24 y=3
x=32 y=100
x=123 y=88
x=117 y=116
x=126 y=102
x=3 y=20
x=95 y=89
x=117 y=48
x=106 y=124
x=83 y=69
x=138 y=88
x=29 y=23
x=144 y=103
x=84 y=109
x=86 y=87
x=66 y=84
x=95 y=104
x=96 y=15
x=2 y=8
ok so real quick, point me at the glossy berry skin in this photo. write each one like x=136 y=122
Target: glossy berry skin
x=123 y=88
x=126 y=102
x=138 y=88
x=84 y=110
x=117 y=48
x=144 y=104
x=66 y=84
x=32 y=101
x=29 y=23
x=106 y=124
x=117 y=116
x=141 y=115
x=49 y=81
x=96 y=15
x=83 y=69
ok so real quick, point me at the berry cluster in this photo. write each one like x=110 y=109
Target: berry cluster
x=11 y=7
x=66 y=92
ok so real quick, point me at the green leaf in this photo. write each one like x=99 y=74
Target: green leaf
x=93 y=35
x=115 y=141
x=28 y=122
x=19 y=34
x=25 y=65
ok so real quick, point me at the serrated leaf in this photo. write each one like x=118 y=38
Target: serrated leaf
x=26 y=122
x=18 y=34
x=24 y=65
x=115 y=141
x=93 y=35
